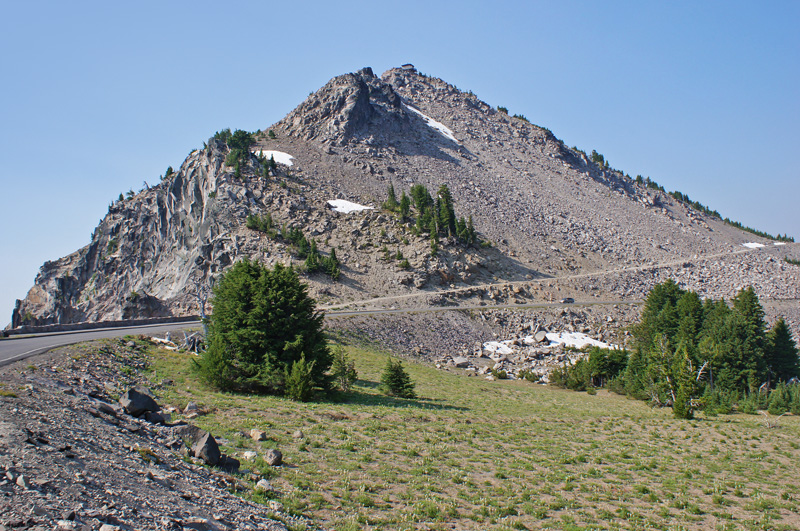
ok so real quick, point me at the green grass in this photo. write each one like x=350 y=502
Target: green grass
x=474 y=454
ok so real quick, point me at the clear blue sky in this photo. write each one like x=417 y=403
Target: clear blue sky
x=98 y=97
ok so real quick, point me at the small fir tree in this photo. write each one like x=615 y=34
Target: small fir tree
x=405 y=206
x=391 y=203
x=395 y=381
x=299 y=380
x=343 y=370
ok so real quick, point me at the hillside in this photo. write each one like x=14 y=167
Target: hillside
x=548 y=219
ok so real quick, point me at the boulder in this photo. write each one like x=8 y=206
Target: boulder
x=273 y=457
x=206 y=448
x=135 y=402
x=460 y=361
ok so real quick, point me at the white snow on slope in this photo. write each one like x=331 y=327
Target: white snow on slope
x=498 y=347
x=280 y=156
x=438 y=126
x=569 y=339
x=575 y=339
x=779 y=243
x=753 y=245
x=345 y=207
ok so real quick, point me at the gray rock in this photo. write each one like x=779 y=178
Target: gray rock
x=154 y=417
x=263 y=485
x=273 y=457
x=460 y=361
x=206 y=448
x=135 y=402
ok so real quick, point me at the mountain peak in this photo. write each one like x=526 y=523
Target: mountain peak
x=350 y=106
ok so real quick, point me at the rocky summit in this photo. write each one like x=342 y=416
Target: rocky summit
x=550 y=221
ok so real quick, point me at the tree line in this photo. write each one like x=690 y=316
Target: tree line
x=690 y=354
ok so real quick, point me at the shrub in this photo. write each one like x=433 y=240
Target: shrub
x=502 y=109
x=529 y=375
x=263 y=322
x=395 y=380
x=299 y=381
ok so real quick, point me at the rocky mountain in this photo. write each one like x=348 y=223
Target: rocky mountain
x=550 y=221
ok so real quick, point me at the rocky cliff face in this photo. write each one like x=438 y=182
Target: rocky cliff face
x=542 y=210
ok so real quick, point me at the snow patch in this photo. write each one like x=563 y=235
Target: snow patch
x=498 y=347
x=753 y=245
x=779 y=243
x=346 y=207
x=575 y=339
x=280 y=156
x=438 y=126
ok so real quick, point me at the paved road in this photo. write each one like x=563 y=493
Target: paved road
x=21 y=347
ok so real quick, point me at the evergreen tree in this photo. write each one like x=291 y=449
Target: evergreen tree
x=471 y=236
x=746 y=304
x=405 y=206
x=299 y=380
x=683 y=384
x=391 y=201
x=740 y=364
x=343 y=370
x=445 y=211
x=422 y=198
x=395 y=380
x=659 y=315
x=263 y=322
x=241 y=140
x=781 y=352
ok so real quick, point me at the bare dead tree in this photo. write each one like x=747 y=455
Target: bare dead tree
x=203 y=289
x=771 y=422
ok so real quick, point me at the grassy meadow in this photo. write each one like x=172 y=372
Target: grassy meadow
x=478 y=454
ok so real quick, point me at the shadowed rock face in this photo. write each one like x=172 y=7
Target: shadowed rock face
x=542 y=208
x=347 y=107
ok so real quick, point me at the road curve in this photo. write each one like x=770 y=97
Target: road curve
x=21 y=347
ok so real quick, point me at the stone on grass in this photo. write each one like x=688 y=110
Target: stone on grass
x=258 y=435
x=273 y=457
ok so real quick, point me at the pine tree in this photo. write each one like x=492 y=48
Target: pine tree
x=405 y=206
x=391 y=203
x=445 y=211
x=395 y=380
x=343 y=370
x=263 y=322
x=299 y=380
x=781 y=352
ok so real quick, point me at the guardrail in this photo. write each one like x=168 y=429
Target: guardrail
x=67 y=327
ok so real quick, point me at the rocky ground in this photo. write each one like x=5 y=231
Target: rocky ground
x=71 y=457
